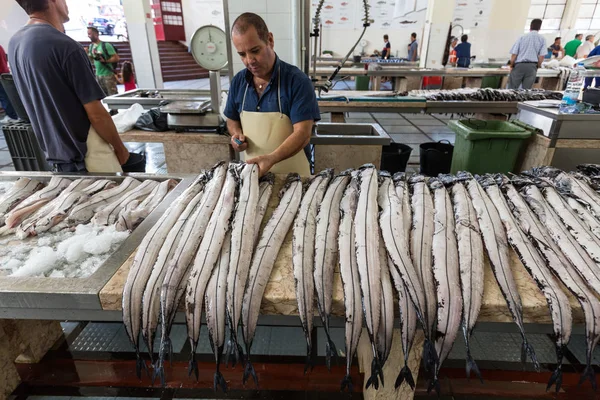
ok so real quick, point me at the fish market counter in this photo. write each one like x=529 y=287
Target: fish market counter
x=186 y=152
x=565 y=140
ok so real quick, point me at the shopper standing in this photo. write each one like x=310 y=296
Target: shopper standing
x=103 y=55
x=527 y=55
x=11 y=115
x=413 y=47
x=572 y=46
x=463 y=53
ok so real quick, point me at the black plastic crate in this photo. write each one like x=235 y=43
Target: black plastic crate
x=24 y=147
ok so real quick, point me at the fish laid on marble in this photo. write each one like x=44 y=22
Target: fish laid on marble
x=560 y=309
x=326 y=254
x=263 y=260
x=174 y=281
x=496 y=244
x=242 y=246
x=367 y=254
x=205 y=260
x=265 y=191
x=562 y=268
x=470 y=259
x=446 y=273
x=303 y=253
x=143 y=263
x=350 y=277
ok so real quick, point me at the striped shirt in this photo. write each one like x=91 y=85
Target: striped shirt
x=529 y=47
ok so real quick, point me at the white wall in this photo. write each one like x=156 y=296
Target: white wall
x=278 y=16
x=197 y=13
x=12 y=18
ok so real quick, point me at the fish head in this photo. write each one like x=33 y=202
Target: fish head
x=463 y=176
x=417 y=179
x=269 y=177
x=289 y=181
x=435 y=183
x=447 y=179
x=538 y=172
x=589 y=169
x=486 y=180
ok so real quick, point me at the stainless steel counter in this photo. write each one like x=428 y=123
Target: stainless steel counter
x=127 y=99
x=33 y=295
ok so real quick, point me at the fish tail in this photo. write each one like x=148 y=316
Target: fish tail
x=472 y=366
x=588 y=374
x=347 y=383
x=309 y=362
x=330 y=352
x=249 y=371
x=556 y=378
x=159 y=372
x=434 y=384
x=139 y=365
x=219 y=380
x=527 y=350
x=430 y=356
x=193 y=365
x=405 y=375
x=376 y=374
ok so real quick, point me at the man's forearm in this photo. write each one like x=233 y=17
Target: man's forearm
x=293 y=144
x=540 y=61
x=105 y=127
x=234 y=127
x=513 y=58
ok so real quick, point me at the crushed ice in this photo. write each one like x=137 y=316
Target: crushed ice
x=68 y=253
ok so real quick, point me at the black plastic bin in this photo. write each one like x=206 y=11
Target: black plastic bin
x=24 y=147
x=394 y=157
x=436 y=158
x=13 y=96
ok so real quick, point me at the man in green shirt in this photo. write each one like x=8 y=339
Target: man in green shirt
x=104 y=55
x=571 y=47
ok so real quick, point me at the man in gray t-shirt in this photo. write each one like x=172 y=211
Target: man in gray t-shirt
x=413 y=47
x=56 y=83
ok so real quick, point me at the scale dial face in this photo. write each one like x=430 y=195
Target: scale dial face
x=209 y=47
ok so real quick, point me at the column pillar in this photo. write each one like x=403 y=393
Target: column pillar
x=144 y=47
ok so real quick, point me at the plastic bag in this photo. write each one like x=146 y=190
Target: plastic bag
x=153 y=121
x=125 y=120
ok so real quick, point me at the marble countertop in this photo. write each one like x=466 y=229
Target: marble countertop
x=136 y=135
x=280 y=298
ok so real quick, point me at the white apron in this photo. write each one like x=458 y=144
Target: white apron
x=266 y=131
x=100 y=155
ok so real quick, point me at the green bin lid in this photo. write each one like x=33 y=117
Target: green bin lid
x=476 y=129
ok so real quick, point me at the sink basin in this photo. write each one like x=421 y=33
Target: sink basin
x=332 y=133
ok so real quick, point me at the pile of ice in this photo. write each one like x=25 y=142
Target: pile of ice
x=63 y=254
x=5 y=186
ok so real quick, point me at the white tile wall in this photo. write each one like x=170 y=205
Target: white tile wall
x=279 y=6
x=283 y=48
x=280 y=25
x=255 y=6
x=235 y=6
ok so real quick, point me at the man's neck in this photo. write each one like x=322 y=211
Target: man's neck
x=43 y=18
x=267 y=77
x=96 y=41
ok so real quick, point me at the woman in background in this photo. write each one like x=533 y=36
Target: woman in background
x=127 y=76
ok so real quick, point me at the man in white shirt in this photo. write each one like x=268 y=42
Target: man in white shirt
x=526 y=57
x=585 y=48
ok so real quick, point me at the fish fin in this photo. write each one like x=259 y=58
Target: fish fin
x=347 y=383
x=376 y=374
x=405 y=375
x=527 y=349
x=229 y=352
x=330 y=352
x=309 y=362
x=556 y=378
x=159 y=371
x=240 y=354
x=170 y=343
x=139 y=365
x=430 y=356
x=434 y=384
x=588 y=373
x=219 y=380
x=472 y=366
x=193 y=366
x=249 y=371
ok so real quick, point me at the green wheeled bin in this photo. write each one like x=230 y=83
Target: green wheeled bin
x=362 y=82
x=486 y=146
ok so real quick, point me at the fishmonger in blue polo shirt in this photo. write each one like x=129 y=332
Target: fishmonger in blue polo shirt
x=272 y=107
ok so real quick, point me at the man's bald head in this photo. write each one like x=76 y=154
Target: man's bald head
x=247 y=20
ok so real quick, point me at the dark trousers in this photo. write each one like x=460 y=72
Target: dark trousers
x=5 y=102
x=588 y=82
x=69 y=167
x=522 y=74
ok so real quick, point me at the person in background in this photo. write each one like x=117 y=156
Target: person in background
x=127 y=76
x=413 y=47
x=452 y=53
x=55 y=81
x=103 y=55
x=387 y=47
x=586 y=47
x=272 y=107
x=572 y=46
x=527 y=55
x=11 y=115
x=463 y=53
x=556 y=48
x=588 y=81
